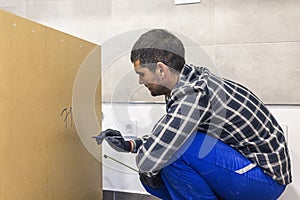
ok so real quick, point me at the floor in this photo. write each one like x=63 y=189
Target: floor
x=112 y=195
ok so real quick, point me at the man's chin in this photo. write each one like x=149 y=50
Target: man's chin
x=158 y=92
x=155 y=94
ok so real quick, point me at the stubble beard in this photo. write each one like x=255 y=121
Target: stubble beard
x=157 y=90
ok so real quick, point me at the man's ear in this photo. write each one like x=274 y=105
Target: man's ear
x=161 y=69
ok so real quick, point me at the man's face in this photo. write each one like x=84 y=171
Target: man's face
x=150 y=80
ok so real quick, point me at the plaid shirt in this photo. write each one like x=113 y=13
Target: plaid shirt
x=202 y=101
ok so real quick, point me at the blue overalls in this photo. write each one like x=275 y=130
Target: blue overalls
x=223 y=173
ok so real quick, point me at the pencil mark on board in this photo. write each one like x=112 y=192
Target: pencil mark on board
x=66 y=113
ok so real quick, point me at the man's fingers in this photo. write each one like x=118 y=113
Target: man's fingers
x=106 y=131
x=111 y=132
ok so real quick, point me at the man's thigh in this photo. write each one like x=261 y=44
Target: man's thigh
x=183 y=182
x=218 y=167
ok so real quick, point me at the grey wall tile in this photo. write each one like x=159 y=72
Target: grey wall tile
x=7 y=3
x=243 y=21
x=272 y=71
x=20 y=11
x=218 y=26
x=14 y=6
x=85 y=19
x=195 y=20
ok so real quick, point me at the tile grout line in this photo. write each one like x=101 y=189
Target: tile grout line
x=256 y=43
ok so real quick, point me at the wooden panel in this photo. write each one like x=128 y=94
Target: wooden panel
x=41 y=155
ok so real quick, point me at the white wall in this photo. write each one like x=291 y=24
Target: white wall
x=289 y=115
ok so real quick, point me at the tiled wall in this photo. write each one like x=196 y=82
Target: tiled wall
x=255 y=42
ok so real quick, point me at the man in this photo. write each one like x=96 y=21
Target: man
x=217 y=140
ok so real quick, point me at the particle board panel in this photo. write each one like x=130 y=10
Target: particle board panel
x=41 y=154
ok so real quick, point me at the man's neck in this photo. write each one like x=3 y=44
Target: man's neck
x=171 y=84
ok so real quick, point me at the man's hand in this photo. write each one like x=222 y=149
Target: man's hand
x=99 y=138
x=114 y=139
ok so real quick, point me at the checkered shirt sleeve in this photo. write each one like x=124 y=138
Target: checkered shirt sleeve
x=174 y=128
